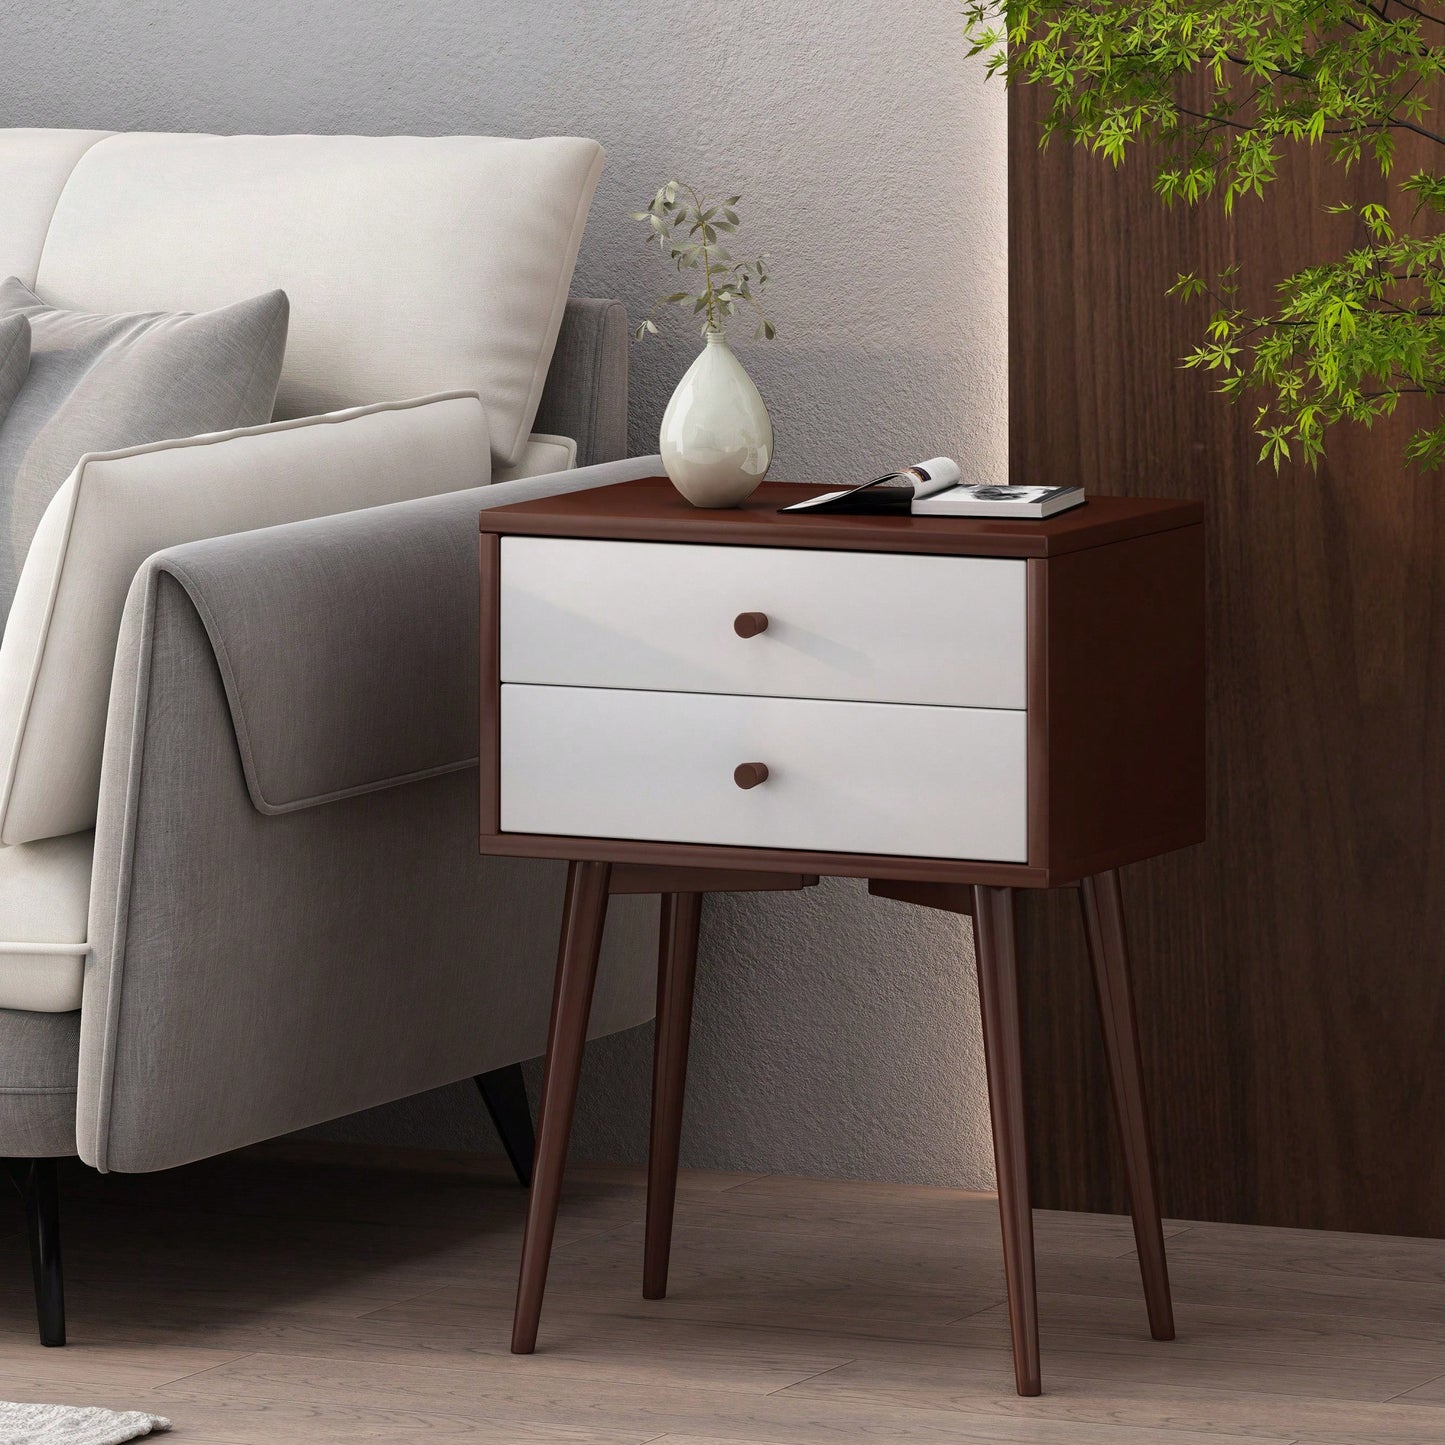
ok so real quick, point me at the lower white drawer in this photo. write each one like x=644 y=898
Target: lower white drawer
x=843 y=777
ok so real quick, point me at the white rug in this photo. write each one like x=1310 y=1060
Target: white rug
x=73 y=1425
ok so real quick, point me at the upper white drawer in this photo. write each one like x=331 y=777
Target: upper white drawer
x=856 y=626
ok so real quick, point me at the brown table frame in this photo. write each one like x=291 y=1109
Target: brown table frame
x=1115 y=708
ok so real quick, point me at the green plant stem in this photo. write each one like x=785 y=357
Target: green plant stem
x=706 y=264
x=687 y=228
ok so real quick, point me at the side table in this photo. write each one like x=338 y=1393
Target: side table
x=681 y=701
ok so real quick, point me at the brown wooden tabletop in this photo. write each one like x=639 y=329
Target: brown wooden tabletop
x=651 y=510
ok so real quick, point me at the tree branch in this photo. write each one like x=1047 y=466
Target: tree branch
x=1418 y=13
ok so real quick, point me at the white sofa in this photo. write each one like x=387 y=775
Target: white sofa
x=239 y=887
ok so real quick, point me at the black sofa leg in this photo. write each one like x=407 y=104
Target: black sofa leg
x=505 y=1095
x=38 y=1181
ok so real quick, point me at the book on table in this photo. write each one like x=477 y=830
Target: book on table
x=935 y=488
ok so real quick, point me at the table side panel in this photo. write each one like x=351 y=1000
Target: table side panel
x=489 y=751
x=1122 y=730
x=1037 y=710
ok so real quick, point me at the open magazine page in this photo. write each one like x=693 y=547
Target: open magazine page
x=935 y=489
x=930 y=478
x=892 y=492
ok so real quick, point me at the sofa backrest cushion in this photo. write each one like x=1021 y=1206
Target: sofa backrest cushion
x=34 y=167
x=413 y=265
x=100 y=383
x=115 y=510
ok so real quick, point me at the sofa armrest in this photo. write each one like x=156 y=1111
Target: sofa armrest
x=347 y=645
x=255 y=970
x=585 y=397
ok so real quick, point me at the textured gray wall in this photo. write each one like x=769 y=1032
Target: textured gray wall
x=834 y=1035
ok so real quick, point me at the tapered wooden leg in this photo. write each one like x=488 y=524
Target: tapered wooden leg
x=996 y=949
x=1109 y=955
x=504 y=1092
x=676 y=970
x=583 y=915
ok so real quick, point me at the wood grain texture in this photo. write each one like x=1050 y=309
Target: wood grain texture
x=584 y=915
x=771 y=860
x=1289 y=972
x=329 y=1293
x=489 y=682
x=636 y=878
x=950 y=897
x=651 y=510
x=995 y=951
x=1120 y=763
x=1114 y=723
x=1109 y=957
x=676 y=975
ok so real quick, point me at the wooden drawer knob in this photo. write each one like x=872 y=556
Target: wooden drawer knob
x=749 y=624
x=749 y=775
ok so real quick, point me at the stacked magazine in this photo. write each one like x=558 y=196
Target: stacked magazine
x=935 y=489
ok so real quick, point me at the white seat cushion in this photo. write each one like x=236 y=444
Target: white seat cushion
x=413 y=264
x=118 y=508
x=44 y=896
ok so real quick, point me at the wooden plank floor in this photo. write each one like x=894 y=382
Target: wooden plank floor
x=321 y=1293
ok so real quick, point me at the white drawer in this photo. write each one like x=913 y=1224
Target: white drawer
x=845 y=777
x=861 y=626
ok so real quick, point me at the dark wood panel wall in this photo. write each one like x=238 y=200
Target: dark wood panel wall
x=1291 y=972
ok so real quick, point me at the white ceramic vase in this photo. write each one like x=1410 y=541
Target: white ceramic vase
x=717 y=441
